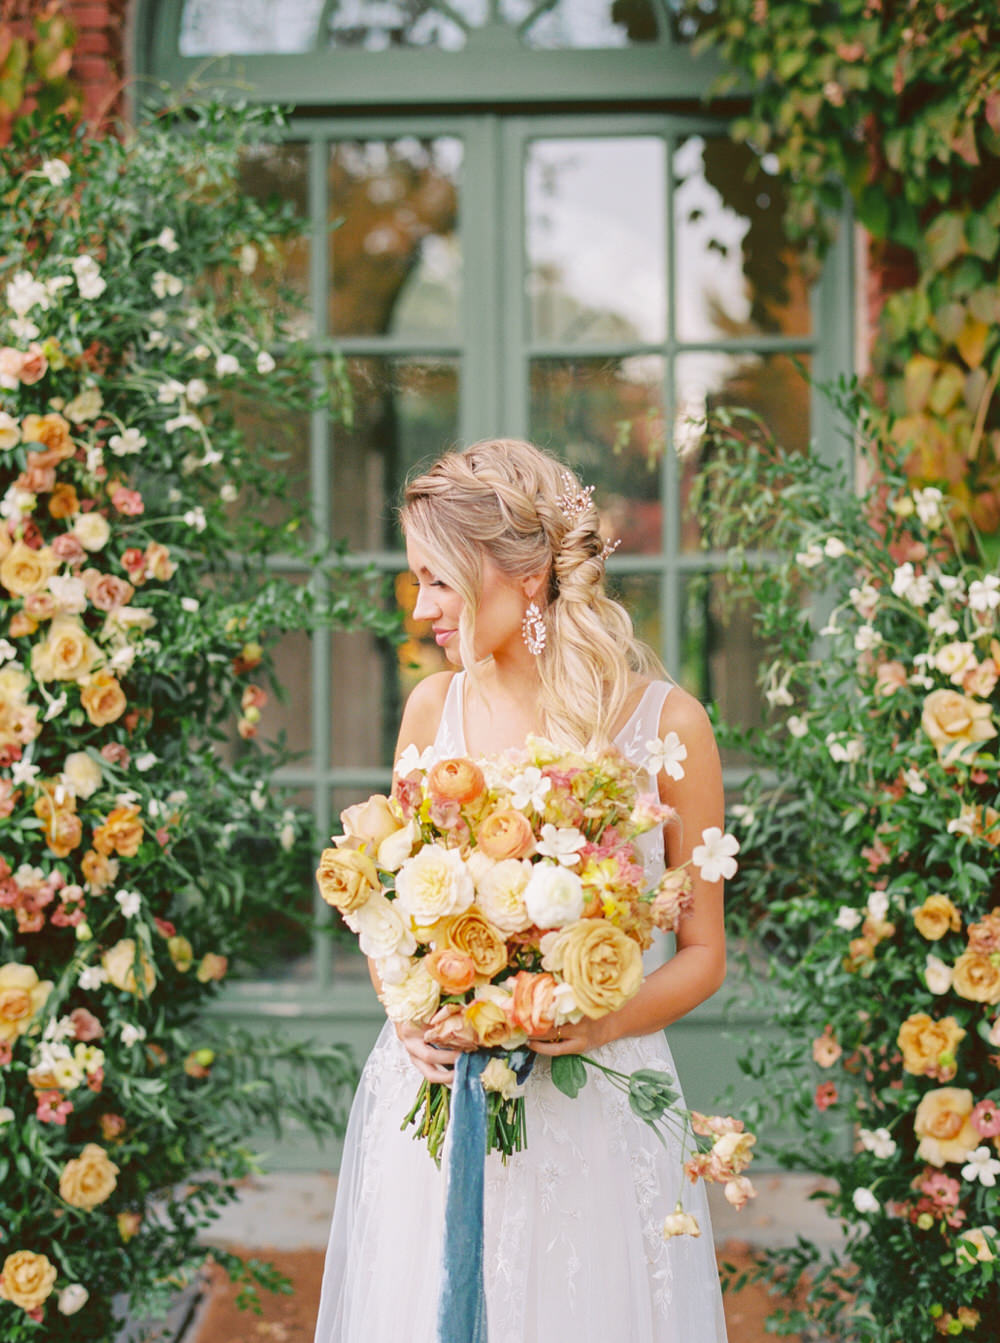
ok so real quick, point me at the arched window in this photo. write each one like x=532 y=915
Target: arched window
x=542 y=233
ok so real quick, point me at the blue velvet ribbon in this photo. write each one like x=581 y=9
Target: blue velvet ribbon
x=462 y=1303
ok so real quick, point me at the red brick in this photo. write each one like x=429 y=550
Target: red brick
x=92 y=14
x=92 y=44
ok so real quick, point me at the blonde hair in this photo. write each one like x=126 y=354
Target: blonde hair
x=501 y=498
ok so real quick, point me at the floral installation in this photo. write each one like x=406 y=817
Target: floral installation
x=500 y=899
x=141 y=838
x=871 y=871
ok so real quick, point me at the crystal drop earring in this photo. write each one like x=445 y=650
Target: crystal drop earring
x=533 y=629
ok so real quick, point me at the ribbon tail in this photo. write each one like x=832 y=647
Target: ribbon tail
x=462 y=1303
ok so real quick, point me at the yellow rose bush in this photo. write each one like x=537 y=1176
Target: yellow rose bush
x=870 y=868
x=143 y=843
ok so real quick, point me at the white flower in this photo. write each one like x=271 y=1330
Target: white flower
x=811 y=556
x=380 y=930
x=55 y=171
x=878 y=905
x=865 y=1201
x=411 y=759
x=195 y=517
x=85 y=406
x=156 y=340
x=168 y=392
x=392 y=969
x=73 y=1298
x=954 y=660
x=984 y=594
x=166 y=285
x=928 y=503
x=92 y=530
x=845 y=751
x=914 y=781
x=145 y=762
x=229 y=493
x=562 y=844
x=258 y=797
x=16 y=503
x=797 y=726
x=130 y=902
x=500 y=892
x=866 y=637
x=434 y=883
x=937 y=975
x=286 y=837
x=982 y=1166
x=741 y=812
x=680 y=1223
x=942 y=623
x=201 y=352
x=92 y=977
x=879 y=1142
x=553 y=896
x=56 y=707
x=265 y=362
x=186 y=420
x=864 y=600
x=167 y=239
x=6 y=1115
x=226 y=364
x=834 y=547
x=528 y=789
x=414 y=998
x=964 y=823
x=847 y=918
x=132 y=1034
x=7 y=650
x=70 y=594
x=22 y=328
x=88 y=277
x=23 y=772
x=666 y=755
x=714 y=856
x=248 y=258
x=196 y=390
x=25 y=293
x=190 y=604
x=126 y=443
x=500 y=1077
x=906 y=584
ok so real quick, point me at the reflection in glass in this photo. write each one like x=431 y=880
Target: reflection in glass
x=583 y=23
x=281 y=172
x=640 y=595
x=278 y=444
x=774 y=386
x=282 y=940
x=405 y=411
x=287 y=715
x=378 y=25
x=220 y=27
x=736 y=273
x=595 y=239
x=395 y=260
x=605 y=416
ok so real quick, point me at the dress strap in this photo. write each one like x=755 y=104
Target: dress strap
x=644 y=725
x=449 y=739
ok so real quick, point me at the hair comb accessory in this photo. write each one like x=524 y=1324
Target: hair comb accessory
x=575 y=502
x=610 y=547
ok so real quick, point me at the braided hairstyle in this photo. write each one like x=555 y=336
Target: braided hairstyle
x=501 y=498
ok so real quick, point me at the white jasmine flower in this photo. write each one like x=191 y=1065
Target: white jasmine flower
x=866 y=637
x=24 y=293
x=797 y=726
x=937 y=975
x=22 y=328
x=845 y=751
x=130 y=902
x=411 y=759
x=864 y=600
x=776 y=692
x=982 y=1166
x=666 y=755
x=196 y=391
x=834 y=547
x=167 y=239
x=714 y=856
x=132 y=1034
x=811 y=556
x=911 y=587
x=226 y=364
x=265 y=362
x=23 y=773
x=169 y=391
x=914 y=782
x=879 y=1142
x=229 y=493
x=166 y=285
x=55 y=284
x=562 y=844
x=91 y=978
x=88 y=277
x=184 y=421
x=865 y=1201
x=928 y=505
x=942 y=622
x=127 y=443
x=528 y=789
x=195 y=517
x=190 y=604
x=984 y=594
x=248 y=258
x=55 y=708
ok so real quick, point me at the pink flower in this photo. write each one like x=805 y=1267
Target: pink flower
x=942 y=1189
x=825 y=1048
x=985 y=1119
x=128 y=502
x=86 y=1027
x=6 y=1053
x=52 y=1109
x=826 y=1095
x=68 y=549
x=116 y=753
x=65 y=917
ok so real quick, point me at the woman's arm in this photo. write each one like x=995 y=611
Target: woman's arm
x=698 y=967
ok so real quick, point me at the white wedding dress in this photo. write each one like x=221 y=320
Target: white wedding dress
x=573 y=1225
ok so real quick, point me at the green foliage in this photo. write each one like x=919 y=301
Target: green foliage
x=869 y=874
x=144 y=842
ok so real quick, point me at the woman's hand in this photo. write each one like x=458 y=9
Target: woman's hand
x=579 y=1038
x=435 y=1062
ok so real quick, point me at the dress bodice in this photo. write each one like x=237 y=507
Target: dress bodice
x=642 y=726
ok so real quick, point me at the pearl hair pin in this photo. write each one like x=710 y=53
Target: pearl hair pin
x=575 y=502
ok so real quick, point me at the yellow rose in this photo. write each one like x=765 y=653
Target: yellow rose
x=489 y=1022
x=25 y=570
x=924 y=1042
x=103 y=699
x=52 y=431
x=937 y=916
x=88 y=1179
x=22 y=997
x=369 y=822
x=28 y=1279
x=600 y=963
x=67 y=654
x=942 y=1124
x=470 y=933
x=955 y=722
x=347 y=879
x=82 y=773
x=977 y=978
x=119 y=964
x=99 y=871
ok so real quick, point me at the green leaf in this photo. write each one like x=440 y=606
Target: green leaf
x=874 y=210
x=569 y=1074
x=982 y=236
x=945 y=239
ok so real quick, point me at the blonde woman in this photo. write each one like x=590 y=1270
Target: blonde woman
x=504 y=547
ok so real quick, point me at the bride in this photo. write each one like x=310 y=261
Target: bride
x=504 y=547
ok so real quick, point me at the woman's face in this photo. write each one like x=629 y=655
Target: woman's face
x=498 y=621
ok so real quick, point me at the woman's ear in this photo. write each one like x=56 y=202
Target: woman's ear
x=533 y=584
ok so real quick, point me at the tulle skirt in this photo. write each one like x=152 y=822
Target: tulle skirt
x=573 y=1225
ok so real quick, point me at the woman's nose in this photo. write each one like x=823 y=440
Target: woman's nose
x=427 y=606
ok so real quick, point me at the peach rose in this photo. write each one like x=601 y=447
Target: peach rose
x=488 y=1022
x=63 y=831
x=25 y=570
x=458 y=781
x=40 y=605
x=103 y=699
x=454 y=970
x=954 y=722
x=368 y=822
x=977 y=978
x=928 y=1046
x=22 y=997
x=472 y=935
x=21 y=624
x=212 y=968
x=347 y=879
x=534 y=1004
x=52 y=431
x=67 y=654
x=11 y=361
x=937 y=916
x=889 y=677
x=106 y=591
x=506 y=834
x=449 y=1027
x=28 y=1279
x=119 y=964
x=943 y=1126
x=600 y=963
x=121 y=833
x=34 y=365
x=88 y=1179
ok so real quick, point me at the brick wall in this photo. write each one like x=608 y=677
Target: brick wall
x=99 y=58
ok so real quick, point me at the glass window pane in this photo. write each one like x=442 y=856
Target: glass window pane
x=281 y=940
x=736 y=273
x=405 y=410
x=269 y=172
x=583 y=23
x=605 y=416
x=274 y=483
x=218 y=27
x=773 y=385
x=640 y=595
x=395 y=259
x=377 y=25
x=287 y=714
x=595 y=239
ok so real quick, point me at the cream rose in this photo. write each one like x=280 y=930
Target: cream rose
x=955 y=723
x=973 y=1244
x=347 y=879
x=433 y=884
x=553 y=896
x=414 y=999
x=25 y=570
x=88 y=1179
x=500 y=893
x=923 y=1043
x=73 y=1298
x=368 y=823
x=22 y=997
x=977 y=978
x=28 y=1279
x=598 y=961
x=942 y=1124
x=67 y=654
x=501 y=1078
x=81 y=773
x=92 y=530
x=397 y=847
x=381 y=932
x=119 y=964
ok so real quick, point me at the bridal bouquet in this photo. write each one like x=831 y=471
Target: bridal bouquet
x=504 y=898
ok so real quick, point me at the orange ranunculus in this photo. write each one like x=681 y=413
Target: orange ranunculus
x=937 y=916
x=454 y=970
x=955 y=723
x=506 y=834
x=928 y=1046
x=103 y=699
x=121 y=833
x=470 y=933
x=458 y=780
x=534 y=1007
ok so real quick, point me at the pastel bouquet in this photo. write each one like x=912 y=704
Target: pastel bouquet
x=503 y=898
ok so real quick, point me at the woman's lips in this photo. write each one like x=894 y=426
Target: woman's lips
x=442 y=636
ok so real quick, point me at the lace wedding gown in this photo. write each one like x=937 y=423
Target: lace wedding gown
x=573 y=1245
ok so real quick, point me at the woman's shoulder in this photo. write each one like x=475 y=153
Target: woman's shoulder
x=423 y=709
x=683 y=713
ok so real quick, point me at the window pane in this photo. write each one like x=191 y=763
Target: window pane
x=640 y=595
x=377 y=25
x=595 y=239
x=736 y=274
x=606 y=417
x=281 y=940
x=395 y=259
x=218 y=27
x=289 y=717
x=584 y=23
x=405 y=411
x=773 y=385
x=269 y=172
